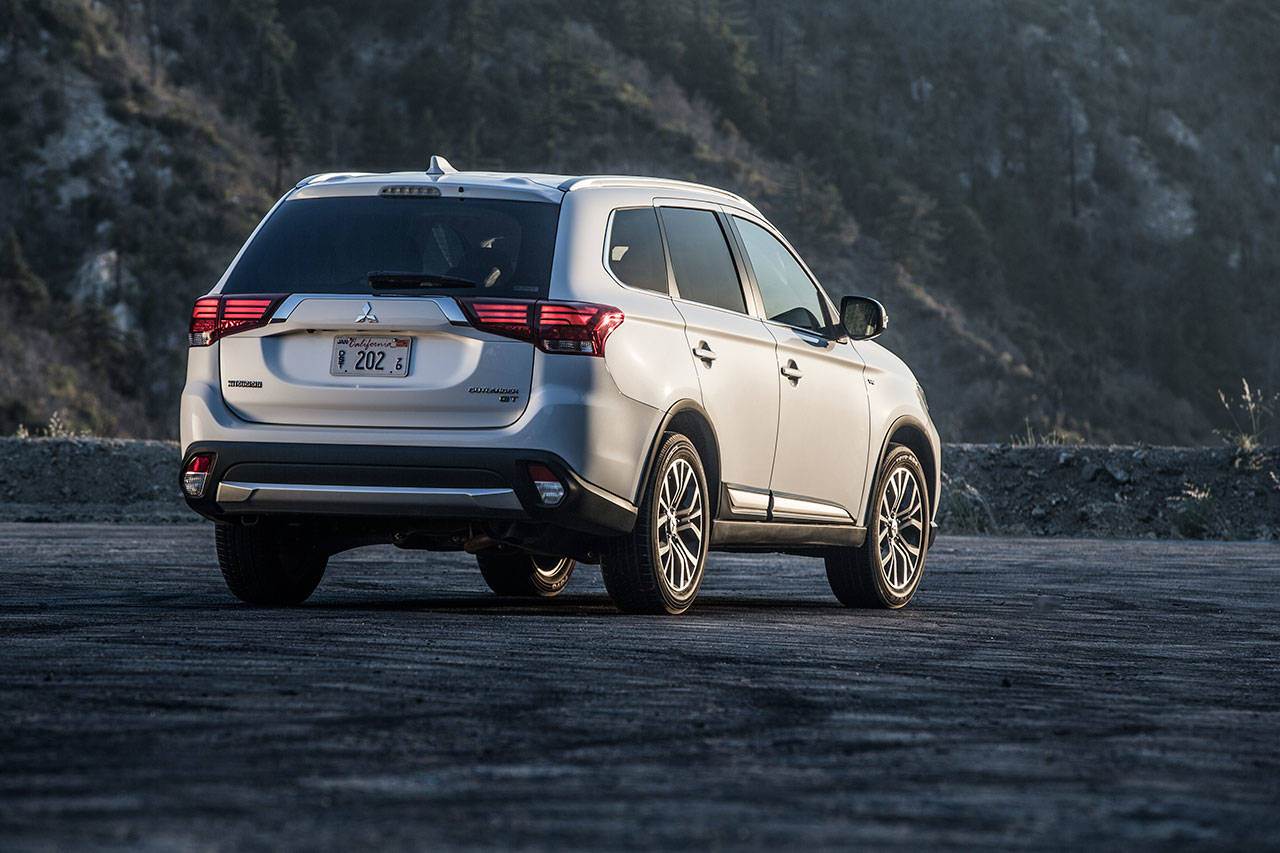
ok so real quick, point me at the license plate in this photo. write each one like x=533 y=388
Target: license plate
x=370 y=355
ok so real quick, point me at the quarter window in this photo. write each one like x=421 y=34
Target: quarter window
x=635 y=249
x=701 y=260
x=788 y=293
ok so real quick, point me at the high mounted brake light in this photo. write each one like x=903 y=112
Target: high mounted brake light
x=578 y=328
x=215 y=317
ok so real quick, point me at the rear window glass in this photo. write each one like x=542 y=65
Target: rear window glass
x=331 y=245
x=701 y=260
x=635 y=249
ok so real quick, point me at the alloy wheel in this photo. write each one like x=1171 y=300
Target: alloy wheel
x=679 y=527
x=549 y=567
x=900 y=540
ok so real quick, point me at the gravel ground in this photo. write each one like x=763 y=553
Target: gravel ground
x=1038 y=693
x=90 y=479
x=1155 y=492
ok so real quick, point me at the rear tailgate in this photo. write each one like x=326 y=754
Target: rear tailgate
x=302 y=369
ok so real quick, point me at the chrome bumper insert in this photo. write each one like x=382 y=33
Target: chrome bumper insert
x=252 y=497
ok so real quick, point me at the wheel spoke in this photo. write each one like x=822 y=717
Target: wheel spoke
x=693 y=512
x=913 y=507
x=908 y=563
x=898 y=490
x=677 y=486
x=685 y=552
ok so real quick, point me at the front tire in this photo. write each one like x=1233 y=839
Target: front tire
x=510 y=572
x=885 y=572
x=657 y=568
x=265 y=564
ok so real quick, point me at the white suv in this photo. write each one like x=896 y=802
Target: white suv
x=545 y=370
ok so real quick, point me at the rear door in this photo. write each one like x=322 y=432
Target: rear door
x=819 y=467
x=731 y=350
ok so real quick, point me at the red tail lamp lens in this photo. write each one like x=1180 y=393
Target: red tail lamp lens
x=578 y=328
x=214 y=317
x=204 y=322
x=509 y=319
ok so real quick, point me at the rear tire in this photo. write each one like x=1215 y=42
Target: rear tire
x=885 y=572
x=657 y=568
x=265 y=564
x=510 y=572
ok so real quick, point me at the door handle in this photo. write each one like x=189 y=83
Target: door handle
x=792 y=372
x=704 y=352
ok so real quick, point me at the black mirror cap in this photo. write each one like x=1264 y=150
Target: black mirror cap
x=862 y=317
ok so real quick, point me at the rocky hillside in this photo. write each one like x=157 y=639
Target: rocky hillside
x=1069 y=208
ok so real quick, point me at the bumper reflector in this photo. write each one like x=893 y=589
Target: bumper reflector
x=195 y=475
x=550 y=490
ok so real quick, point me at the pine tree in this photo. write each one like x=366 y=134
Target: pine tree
x=278 y=122
x=16 y=278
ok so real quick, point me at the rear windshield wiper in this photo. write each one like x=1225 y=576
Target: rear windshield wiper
x=387 y=280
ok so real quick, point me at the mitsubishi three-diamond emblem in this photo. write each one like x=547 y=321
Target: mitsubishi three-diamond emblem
x=368 y=316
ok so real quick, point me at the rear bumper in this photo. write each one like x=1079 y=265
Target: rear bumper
x=398 y=483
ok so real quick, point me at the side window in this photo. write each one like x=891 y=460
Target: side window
x=788 y=293
x=701 y=260
x=635 y=249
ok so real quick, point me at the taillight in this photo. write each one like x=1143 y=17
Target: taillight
x=575 y=327
x=550 y=490
x=509 y=319
x=579 y=328
x=215 y=317
x=196 y=473
x=204 y=322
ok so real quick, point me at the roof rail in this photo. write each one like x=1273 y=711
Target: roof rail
x=639 y=183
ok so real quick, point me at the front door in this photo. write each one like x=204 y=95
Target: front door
x=819 y=466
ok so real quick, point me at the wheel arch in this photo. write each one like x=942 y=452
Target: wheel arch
x=689 y=419
x=910 y=432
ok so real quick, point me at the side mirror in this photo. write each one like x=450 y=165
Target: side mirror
x=863 y=317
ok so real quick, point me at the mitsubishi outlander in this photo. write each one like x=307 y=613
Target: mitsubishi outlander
x=544 y=371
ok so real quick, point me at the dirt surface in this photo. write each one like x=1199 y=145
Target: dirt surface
x=1042 y=693
x=1178 y=493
